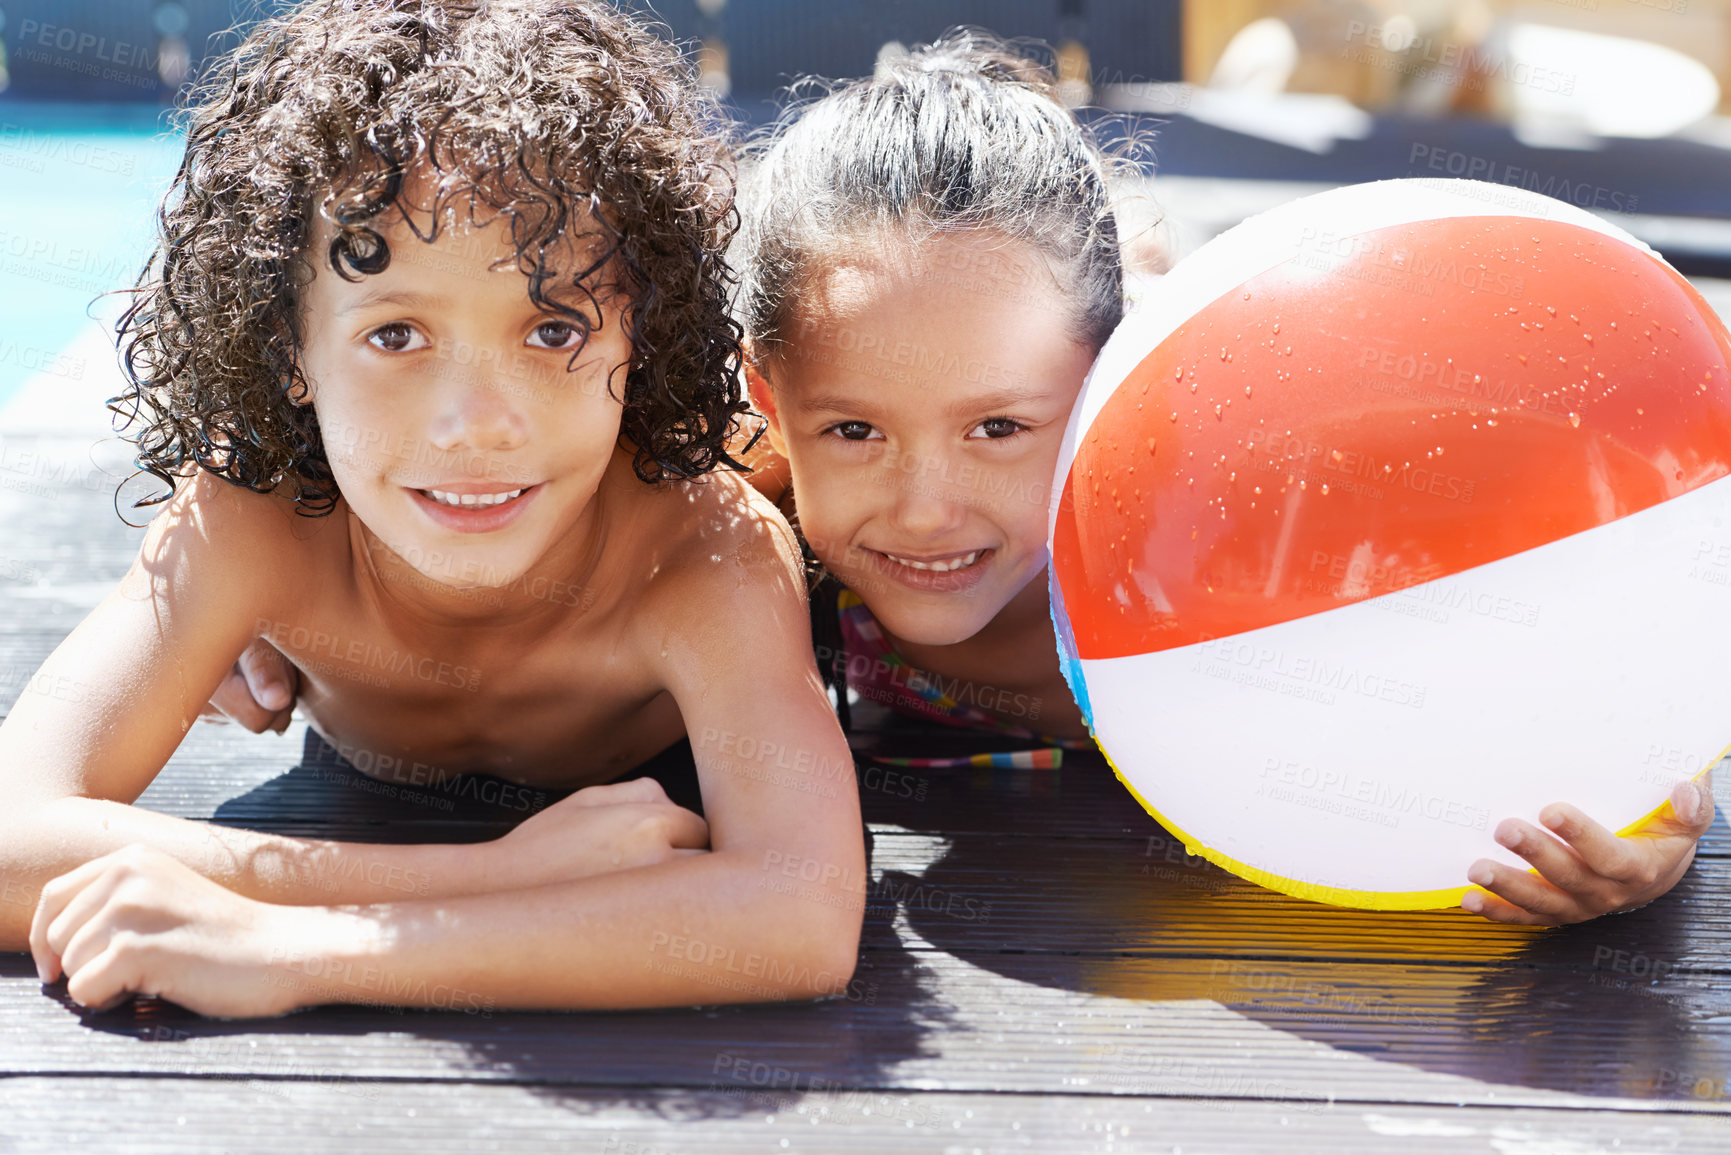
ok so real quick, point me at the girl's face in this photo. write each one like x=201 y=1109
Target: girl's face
x=920 y=401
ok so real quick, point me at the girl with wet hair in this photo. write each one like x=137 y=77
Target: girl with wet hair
x=930 y=263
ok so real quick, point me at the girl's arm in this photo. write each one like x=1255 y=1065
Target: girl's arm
x=258 y=692
x=1582 y=870
x=772 y=912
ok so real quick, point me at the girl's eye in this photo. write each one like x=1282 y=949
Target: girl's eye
x=852 y=430
x=998 y=428
x=396 y=337
x=556 y=335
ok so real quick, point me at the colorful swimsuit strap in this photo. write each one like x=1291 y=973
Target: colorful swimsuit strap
x=889 y=678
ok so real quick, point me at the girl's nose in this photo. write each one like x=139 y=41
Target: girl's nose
x=926 y=507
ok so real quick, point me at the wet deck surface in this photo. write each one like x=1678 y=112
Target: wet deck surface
x=1042 y=969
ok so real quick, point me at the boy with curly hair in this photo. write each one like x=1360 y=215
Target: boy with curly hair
x=434 y=358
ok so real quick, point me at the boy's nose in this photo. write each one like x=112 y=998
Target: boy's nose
x=478 y=415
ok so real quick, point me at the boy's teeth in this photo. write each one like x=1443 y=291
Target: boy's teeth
x=470 y=499
x=939 y=566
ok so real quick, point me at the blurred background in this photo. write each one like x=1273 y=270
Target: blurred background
x=1228 y=107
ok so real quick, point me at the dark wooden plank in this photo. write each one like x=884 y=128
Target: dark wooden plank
x=309 y=1115
x=1083 y=799
x=974 y=895
x=923 y=1019
x=154 y=1116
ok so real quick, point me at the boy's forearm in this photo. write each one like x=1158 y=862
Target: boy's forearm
x=695 y=930
x=56 y=837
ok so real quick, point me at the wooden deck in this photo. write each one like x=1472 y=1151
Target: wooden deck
x=1043 y=969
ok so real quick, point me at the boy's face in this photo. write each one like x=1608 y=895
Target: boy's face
x=920 y=401
x=460 y=428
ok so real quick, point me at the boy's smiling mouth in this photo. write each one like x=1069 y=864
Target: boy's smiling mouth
x=470 y=508
x=445 y=497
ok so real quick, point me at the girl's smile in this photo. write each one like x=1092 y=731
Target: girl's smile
x=948 y=574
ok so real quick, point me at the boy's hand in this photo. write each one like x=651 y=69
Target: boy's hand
x=259 y=692
x=139 y=922
x=1595 y=872
x=597 y=830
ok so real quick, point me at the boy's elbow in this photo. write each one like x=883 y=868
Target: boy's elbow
x=808 y=938
x=821 y=974
x=841 y=969
x=829 y=956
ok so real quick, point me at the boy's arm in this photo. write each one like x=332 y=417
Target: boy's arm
x=772 y=912
x=110 y=705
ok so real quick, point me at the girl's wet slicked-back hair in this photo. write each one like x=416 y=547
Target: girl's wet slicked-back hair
x=962 y=134
x=561 y=116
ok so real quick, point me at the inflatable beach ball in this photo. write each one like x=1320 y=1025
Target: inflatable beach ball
x=1391 y=513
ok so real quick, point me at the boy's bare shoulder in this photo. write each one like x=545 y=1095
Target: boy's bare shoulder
x=213 y=530
x=726 y=518
x=719 y=534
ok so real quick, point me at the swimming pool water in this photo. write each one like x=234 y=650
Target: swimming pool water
x=79 y=187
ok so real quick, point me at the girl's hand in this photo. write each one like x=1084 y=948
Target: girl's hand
x=1591 y=871
x=139 y=922
x=597 y=830
x=258 y=692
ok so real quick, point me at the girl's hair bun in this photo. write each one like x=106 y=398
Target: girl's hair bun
x=962 y=134
x=966 y=53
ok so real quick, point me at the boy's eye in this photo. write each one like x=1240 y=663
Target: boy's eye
x=852 y=430
x=998 y=428
x=557 y=335
x=395 y=337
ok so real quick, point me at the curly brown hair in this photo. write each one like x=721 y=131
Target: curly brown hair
x=558 y=114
